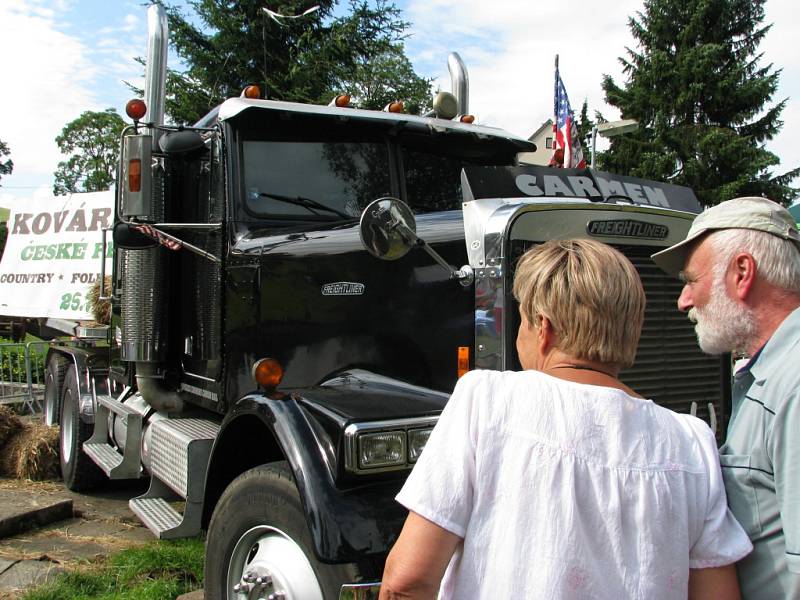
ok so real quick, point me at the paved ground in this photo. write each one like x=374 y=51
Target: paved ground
x=64 y=529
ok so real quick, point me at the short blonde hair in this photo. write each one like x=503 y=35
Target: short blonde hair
x=590 y=293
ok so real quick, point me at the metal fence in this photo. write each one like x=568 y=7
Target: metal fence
x=22 y=374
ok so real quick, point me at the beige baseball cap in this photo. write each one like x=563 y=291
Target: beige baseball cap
x=740 y=213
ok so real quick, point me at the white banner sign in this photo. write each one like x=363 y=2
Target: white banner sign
x=53 y=253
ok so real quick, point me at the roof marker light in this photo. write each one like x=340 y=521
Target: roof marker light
x=342 y=101
x=394 y=107
x=467 y=118
x=253 y=92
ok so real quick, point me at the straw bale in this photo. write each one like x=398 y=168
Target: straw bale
x=100 y=309
x=10 y=424
x=31 y=454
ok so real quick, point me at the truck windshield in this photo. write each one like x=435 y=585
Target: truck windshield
x=433 y=181
x=314 y=180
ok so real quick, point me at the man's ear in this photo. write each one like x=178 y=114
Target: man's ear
x=744 y=274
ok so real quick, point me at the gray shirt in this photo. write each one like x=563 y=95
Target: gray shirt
x=761 y=465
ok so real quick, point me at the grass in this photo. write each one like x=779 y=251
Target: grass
x=158 y=571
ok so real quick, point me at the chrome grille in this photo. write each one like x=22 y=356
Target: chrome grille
x=670 y=369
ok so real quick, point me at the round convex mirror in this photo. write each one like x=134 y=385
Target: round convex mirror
x=388 y=228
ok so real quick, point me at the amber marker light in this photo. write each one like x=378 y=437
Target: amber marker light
x=463 y=360
x=136 y=109
x=394 y=107
x=253 y=92
x=342 y=101
x=268 y=372
x=467 y=118
x=135 y=175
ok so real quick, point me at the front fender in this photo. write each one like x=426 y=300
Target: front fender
x=346 y=523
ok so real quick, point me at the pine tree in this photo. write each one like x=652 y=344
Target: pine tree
x=701 y=98
x=309 y=59
x=585 y=126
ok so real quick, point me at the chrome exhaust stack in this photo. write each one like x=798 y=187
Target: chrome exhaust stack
x=155 y=75
x=459 y=81
x=448 y=105
x=145 y=277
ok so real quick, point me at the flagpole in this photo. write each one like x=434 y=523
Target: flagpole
x=555 y=110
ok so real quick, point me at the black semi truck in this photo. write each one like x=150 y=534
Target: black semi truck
x=296 y=290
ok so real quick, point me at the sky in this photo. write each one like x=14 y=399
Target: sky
x=63 y=57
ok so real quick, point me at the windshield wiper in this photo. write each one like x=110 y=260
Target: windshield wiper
x=311 y=205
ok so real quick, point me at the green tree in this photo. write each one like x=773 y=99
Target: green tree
x=92 y=143
x=309 y=59
x=6 y=166
x=701 y=98
x=585 y=126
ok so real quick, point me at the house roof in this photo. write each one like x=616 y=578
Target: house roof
x=546 y=125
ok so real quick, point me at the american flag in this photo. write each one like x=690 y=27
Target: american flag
x=565 y=129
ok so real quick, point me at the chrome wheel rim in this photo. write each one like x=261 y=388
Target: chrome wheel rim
x=50 y=396
x=67 y=427
x=267 y=563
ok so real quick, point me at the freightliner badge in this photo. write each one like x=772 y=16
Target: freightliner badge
x=628 y=228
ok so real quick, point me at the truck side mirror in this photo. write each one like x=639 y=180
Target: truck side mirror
x=183 y=142
x=385 y=226
x=388 y=231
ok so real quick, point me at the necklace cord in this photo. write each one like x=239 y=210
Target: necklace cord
x=582 y=368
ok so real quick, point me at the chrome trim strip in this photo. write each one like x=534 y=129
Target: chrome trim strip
x=200 y=377
x=353 y=430
x=141 y=351
x=207 y=394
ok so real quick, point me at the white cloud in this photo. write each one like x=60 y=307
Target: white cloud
x=509 y=47
x=55 y=78
x=59 y=68
x=132 y=23
x=45 y=86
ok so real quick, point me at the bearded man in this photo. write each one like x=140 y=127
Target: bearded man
x=740 y=264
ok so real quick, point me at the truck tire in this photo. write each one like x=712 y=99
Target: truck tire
x=259 y=528
x=78 y=470
x=53 y=383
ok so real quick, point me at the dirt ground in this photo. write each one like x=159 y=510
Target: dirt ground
x=101 y=524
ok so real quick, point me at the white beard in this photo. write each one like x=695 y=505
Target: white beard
x=722 y=325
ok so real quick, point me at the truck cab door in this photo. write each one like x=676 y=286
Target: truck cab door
x=199 y=278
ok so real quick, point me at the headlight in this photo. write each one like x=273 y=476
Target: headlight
x=381 y=449
x=417 y=438
x=385 y=445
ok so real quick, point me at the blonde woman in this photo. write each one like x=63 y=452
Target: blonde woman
x=560 y=481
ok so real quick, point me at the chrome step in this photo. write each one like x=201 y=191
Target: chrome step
x=156 y=512
x=105 y=456
x=179 y=451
